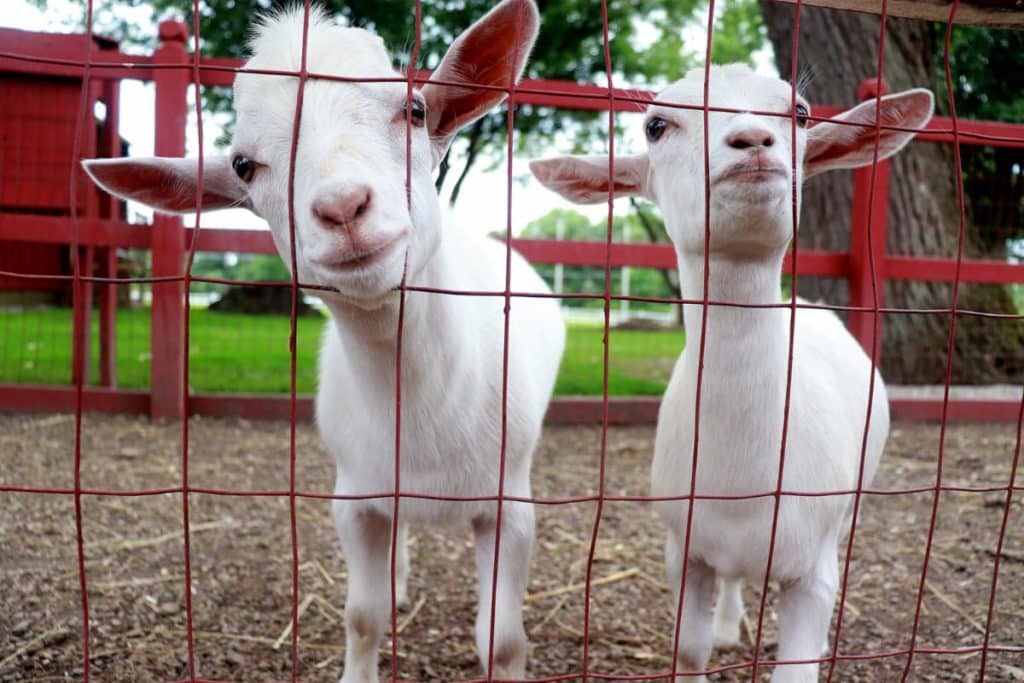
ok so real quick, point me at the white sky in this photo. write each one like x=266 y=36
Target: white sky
x=482 y=205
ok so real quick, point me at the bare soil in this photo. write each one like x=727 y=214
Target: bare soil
x=242 y=569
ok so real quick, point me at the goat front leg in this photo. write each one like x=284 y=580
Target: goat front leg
x=509 y=647
x=728 y=613
x=805 y=611
x=366 y=543
x=694 y=644
x=402 y=565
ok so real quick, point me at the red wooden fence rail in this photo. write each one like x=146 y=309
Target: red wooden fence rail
x=170 y=68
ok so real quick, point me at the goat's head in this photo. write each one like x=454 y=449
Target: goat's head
x=354 y=221
x=751 y=156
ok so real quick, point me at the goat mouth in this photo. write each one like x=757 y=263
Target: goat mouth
x=752 y=173
x=360 y=258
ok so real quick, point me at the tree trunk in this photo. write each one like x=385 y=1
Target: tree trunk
x=840 y=49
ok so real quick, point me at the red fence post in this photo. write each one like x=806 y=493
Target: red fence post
x=108 y=320
x=168 y=308
x=110 y=207
x=870 y=211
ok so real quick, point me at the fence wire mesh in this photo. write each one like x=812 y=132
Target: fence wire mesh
x=602 y=493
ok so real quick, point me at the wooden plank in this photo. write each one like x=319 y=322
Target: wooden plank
x=25 y=227
x=30 y=398
x=991 y=13
x=251 y=406
x=571 y=410
x=928 y=269
x=927 y=409
x=564 y=410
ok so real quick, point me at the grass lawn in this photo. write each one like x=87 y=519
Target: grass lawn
x=231 y=352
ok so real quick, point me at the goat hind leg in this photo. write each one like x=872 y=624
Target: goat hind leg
x=694 y=644
x=728 y=613
x=805 y=611
x=510 y=645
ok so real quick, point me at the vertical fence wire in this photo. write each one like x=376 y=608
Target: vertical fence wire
x=399 y=337
x=603 y=452
x=79 y=336
x=875 y=341
x=704 y=303
x=186 y=513
x=954 y=305
x=293 y=340
x=777 y=493
x=506 y=312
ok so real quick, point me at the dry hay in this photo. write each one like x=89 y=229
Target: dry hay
x=242 y=566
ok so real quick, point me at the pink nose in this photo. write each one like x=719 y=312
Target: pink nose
x=346 y=212
x=750 y=137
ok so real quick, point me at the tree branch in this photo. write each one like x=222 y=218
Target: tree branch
x=666 y=275
x=474 y=148
x=442 y=170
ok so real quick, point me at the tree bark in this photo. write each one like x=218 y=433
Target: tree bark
x=839 y=50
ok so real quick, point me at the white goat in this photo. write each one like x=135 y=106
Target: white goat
x=745 y=361
x=355 y=229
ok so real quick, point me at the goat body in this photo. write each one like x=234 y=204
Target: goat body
x=741 y=223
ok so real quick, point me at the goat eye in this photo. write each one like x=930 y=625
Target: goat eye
x=655 y=129
x=417 y=112
x=801 y=115
x=244 y=167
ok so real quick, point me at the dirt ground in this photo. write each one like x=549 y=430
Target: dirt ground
x=242 y=569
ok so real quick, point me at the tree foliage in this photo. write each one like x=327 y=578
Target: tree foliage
x=987 y=67
x=646 y=40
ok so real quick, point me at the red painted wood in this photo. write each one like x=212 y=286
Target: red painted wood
x=867 y=250
x=562 y=411
x=58 y=230
x=168 y=305
x=251 y=406
x=88 y=258
x=239 y=241
x=108 y=320
x=588 y=410
x=960 y=410
x=595 y=253
x=17 y=256
x=944 y=270
x=869 y=211
x=30 y=398
x=60 y=54
x=818 y=263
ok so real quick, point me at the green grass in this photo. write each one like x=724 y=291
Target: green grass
x=639 y=362
x=227 y=351
x=232 y=352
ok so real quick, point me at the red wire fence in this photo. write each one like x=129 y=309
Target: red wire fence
x=93 y=226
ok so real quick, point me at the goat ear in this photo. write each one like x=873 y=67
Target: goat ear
x=168 y=184
x=584 y=180
x=837 y=145
x=492 y=52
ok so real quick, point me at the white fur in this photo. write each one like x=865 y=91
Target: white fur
x=743 y=387
x=353 y=144
x=452 y=346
